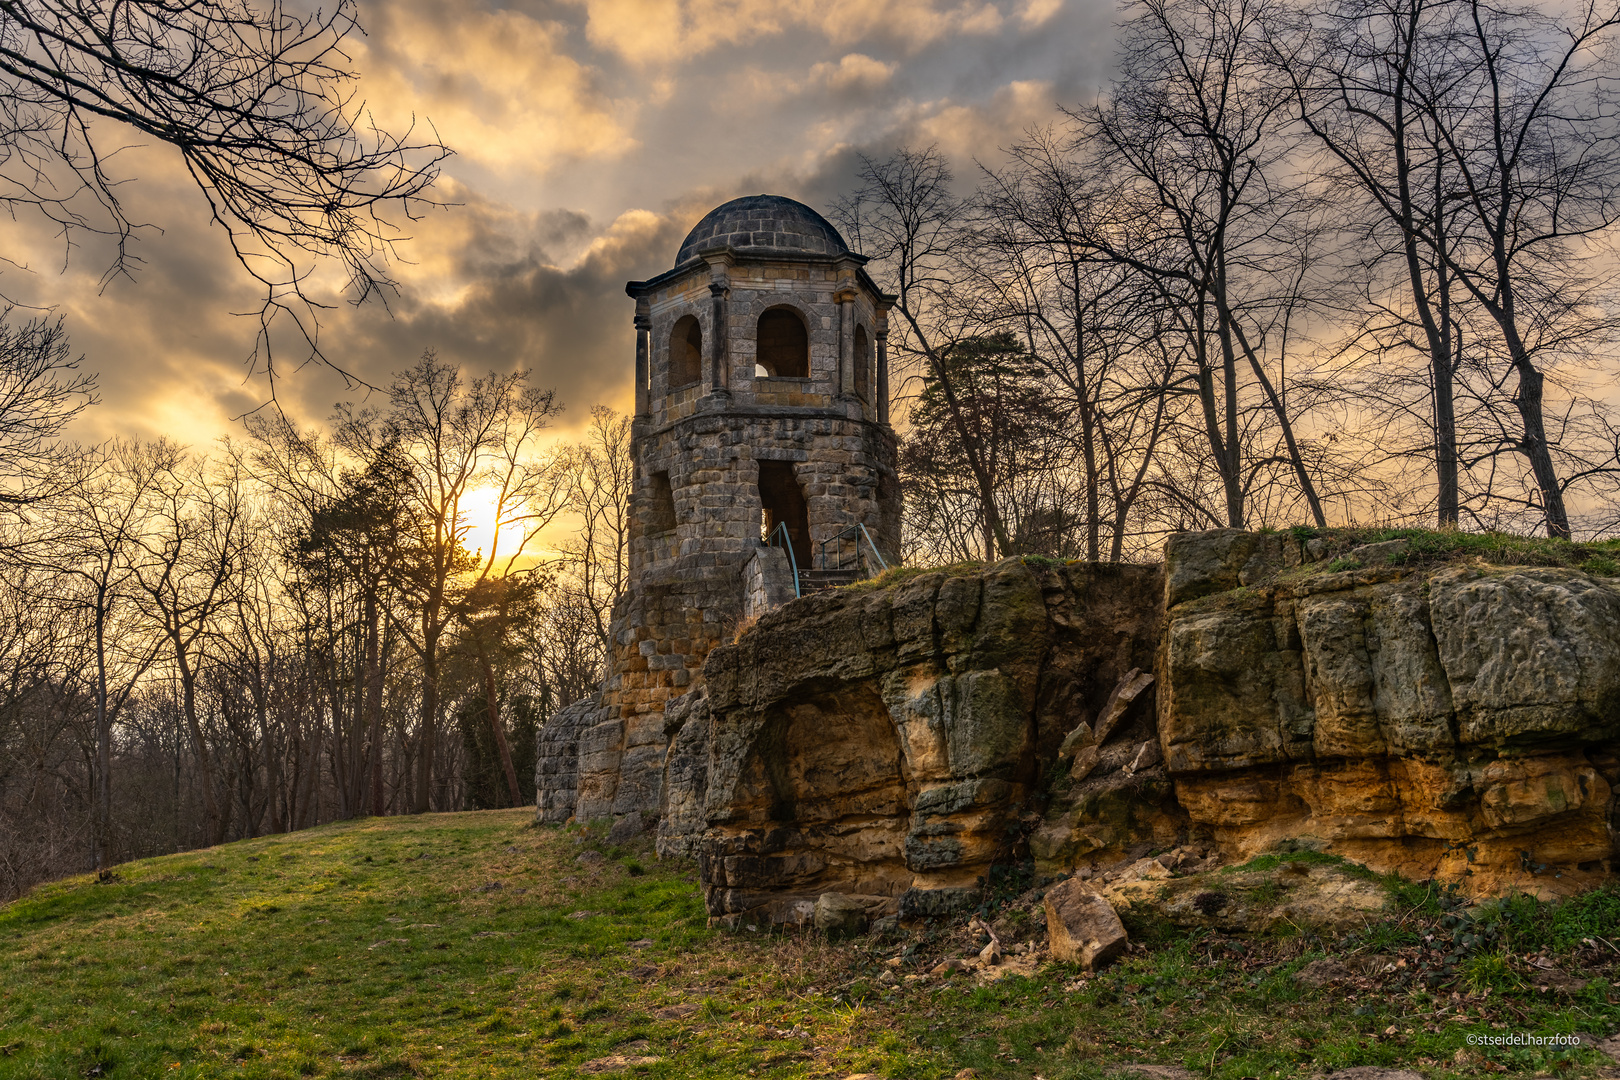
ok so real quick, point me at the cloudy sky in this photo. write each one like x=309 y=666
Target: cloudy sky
x=590 y=135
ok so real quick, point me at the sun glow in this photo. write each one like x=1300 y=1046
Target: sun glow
x=478 y=516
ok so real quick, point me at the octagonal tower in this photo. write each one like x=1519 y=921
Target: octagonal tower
x=761 y=412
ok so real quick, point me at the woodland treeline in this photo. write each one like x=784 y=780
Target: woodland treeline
x=296 y=626
x=1301 y=262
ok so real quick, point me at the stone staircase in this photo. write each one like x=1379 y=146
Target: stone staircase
x=815 y=580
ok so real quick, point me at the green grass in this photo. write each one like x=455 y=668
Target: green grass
x=381 y=949
x=899 y=575
x=1495 y=548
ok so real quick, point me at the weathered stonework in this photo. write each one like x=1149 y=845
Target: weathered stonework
x=885 y=744
x=1459 y=722
x=1455 y=721
x=761 y=393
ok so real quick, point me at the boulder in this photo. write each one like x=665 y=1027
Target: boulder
x=1324 y=972
x=1082 y=925
x=837 y=915
x=627 y=828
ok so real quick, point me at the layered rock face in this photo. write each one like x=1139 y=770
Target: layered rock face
x=1452 y=721
x=1446 y=720
x=884 y=744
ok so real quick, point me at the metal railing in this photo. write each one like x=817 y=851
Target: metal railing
x=856 y=533
x=787 y=542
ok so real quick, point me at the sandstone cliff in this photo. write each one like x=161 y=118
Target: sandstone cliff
x=1442 y=719
x=885 y=743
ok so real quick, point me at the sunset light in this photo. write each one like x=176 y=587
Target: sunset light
x=1000 y=539
x=478 y=516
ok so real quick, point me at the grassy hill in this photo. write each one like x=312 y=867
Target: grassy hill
x=475 y=945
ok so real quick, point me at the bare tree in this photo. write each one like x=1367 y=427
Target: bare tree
x=443 y=438
x=41 y=391
x=906 y=218
x=260 y=105
x=1092 y=324
x=1534 y=156
x=186 y=571
x=599 y=476
x=1354 y=67
x=1191 y=140
x=96 y=530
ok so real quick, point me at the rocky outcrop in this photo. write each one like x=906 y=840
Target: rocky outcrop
x=1257 y=692
x=884 y=743
x=1448 y=720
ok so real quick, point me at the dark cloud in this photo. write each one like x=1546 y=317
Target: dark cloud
x=591 y=134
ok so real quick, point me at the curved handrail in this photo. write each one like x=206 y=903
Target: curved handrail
x=787 y=542
x=881 y=561
x=855 y=531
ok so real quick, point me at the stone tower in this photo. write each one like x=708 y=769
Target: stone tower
x=761 y=401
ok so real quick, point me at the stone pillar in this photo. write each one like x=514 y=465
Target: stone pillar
x=719 y=290
x=882 y=337
x=643 y=358
x=846 y=342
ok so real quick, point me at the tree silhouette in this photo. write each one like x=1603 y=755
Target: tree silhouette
x=261 y=107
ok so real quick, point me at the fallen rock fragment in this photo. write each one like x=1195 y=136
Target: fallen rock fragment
x=1082 y=925
x=837 y=915
x=627 y=828
x=617 y=1063
x=1558 y=982
x=1319 y=973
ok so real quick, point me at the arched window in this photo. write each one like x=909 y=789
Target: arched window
x=685 y=352
x=863 y=366
x=784 y=344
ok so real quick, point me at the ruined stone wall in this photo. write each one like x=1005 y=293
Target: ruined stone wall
x=767 y=582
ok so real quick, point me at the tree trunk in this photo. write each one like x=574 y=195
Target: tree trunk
x=205 y=759
x=374 y=687
x=102 y=787
x=498 y=730
x=429 y=723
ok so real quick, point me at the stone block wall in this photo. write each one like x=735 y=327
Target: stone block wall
x=767 y=582
x=688 y=590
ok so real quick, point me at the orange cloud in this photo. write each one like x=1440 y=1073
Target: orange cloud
x=661 y=32
x=498 y=85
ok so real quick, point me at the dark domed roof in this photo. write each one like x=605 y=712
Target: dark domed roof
x=763 y=223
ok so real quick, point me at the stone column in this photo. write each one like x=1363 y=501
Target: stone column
x=643 y=358
x=846 y=342
x=719 y=290
x=882 y=338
